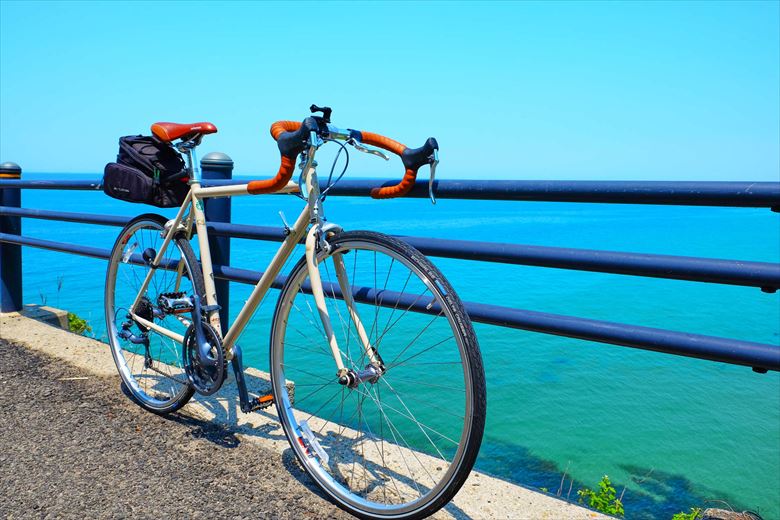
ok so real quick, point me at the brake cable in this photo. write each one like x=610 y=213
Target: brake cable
x=330 y=184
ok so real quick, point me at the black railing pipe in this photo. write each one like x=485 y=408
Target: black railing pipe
x=736 y=194
x=765 y=275
x=731 y=272
x=44 y=184
x=680 y=193
x=62 y=247
x=67 y=216
x=759 y=356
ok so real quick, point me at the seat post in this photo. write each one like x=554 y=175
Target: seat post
x=192 y=162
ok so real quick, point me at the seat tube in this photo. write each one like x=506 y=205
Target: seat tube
x=203 y=241
x=205 y=262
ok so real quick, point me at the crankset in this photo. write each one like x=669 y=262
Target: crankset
x=206 y=372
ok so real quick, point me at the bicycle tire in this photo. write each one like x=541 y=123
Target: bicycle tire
x=164 y=356
x=336 y=444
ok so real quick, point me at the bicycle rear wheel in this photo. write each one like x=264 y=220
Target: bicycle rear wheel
x=401 y=444
x=149 y=362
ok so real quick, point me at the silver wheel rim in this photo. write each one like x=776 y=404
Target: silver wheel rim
x=292 y=418
x=166 y=352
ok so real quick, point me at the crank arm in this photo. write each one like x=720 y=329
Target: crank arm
x=238 y=371
x=246 y=403
x=203 y=346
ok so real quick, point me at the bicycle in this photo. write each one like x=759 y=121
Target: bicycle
x=385 y=408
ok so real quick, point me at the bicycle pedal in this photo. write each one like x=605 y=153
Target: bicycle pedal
x=262 y=402
x=174 y=303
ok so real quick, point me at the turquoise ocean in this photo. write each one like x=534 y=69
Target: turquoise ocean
x=674 y=432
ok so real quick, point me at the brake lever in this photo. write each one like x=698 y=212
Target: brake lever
x=434 y=163
x=359 y=147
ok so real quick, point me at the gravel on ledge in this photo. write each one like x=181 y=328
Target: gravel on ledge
x=73 y=446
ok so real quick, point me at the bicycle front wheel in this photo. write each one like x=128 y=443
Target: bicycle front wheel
x=400 y=444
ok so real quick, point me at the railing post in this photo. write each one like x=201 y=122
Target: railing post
x=10 y=254
x=217 y=165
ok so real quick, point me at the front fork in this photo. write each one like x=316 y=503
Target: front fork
x=315 y=240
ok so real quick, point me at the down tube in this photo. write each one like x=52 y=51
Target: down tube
x=270 y=274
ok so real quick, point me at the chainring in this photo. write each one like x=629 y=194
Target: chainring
x=205 y=379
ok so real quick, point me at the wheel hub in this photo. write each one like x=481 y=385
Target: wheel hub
x=352 y=379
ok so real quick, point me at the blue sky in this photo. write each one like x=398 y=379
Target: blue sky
x=557 y=90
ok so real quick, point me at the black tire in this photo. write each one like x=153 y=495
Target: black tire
x=294 y=360
x=165 y=366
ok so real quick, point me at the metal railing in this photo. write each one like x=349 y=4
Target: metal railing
x=217 y=169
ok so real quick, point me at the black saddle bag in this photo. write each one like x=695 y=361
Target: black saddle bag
x=148 y=171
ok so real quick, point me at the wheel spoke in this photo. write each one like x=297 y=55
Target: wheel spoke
x=153 y=374
x=393 y=438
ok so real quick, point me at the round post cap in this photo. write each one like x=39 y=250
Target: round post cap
x=217 y=159
x=10 y=170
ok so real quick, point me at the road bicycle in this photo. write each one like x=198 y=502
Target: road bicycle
x=375 y=368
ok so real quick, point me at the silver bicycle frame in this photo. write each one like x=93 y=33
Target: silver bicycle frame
x=315 y=242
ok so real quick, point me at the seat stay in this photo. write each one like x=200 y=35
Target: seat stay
x=163 y=248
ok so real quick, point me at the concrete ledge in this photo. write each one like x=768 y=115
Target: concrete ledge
x=49 y=315
x=482 y=496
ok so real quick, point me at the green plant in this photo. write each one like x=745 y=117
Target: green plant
x=78 y=325
x=695 y=514
x=604 y=499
